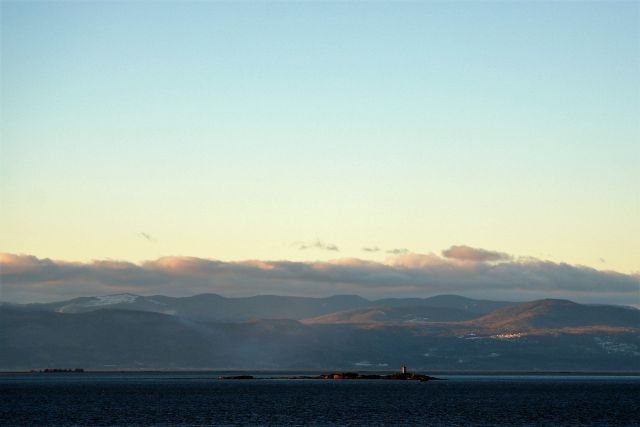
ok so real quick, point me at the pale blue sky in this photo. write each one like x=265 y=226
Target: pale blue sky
x=232 y=130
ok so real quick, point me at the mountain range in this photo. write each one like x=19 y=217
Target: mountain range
x=445 y=332
x=214 y=307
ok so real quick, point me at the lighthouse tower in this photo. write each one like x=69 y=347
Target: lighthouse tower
x=403 y=369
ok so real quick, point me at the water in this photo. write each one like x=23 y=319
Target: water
x=200 y=399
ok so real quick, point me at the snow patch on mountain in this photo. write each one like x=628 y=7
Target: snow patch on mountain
x=99 y=301
x=112 y=299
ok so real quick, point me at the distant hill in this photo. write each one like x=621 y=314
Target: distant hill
x=470 y=305
x=555 y=313
x=265 y=332
x=211 y=306
x=218 y=308
x=125 y=339
x=103 y=338
x=441 y=308
x=395 y=315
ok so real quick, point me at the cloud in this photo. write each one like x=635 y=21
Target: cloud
x=397 y=251
x=467 y=253
x=146 y=236
x=408 y=260
x=318 y=244
x=26 y=278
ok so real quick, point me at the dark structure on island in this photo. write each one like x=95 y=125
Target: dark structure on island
x=403 y=375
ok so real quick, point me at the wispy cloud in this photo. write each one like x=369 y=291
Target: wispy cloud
x=317 y=244
x=145 y=236
x=27 y=278
x=397 y=251
x=394 y=251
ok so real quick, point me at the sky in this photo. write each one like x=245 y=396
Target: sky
x=314 y=132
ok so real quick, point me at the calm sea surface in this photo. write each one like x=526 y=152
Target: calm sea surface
x=117 y=399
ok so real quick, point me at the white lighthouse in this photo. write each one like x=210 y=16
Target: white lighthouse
x=403 y=369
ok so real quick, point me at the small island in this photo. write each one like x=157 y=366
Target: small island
x=403 y=375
